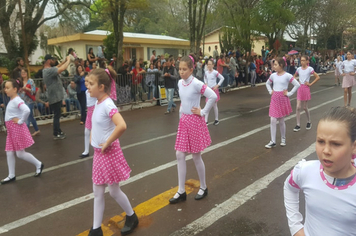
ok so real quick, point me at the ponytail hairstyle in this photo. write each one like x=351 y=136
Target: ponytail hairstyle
x=346 y=115
x=190 y=60
x=305 y=57
x=281 y=62
x=16 y=83
x=104 y=77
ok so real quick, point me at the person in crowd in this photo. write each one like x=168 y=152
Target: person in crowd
x=193 y=134
x=55 y=94
x=170 y=80
x=280 y=104
x=210 y=78
x=42 y=100
x=94 y=66
x=91 y=58
x=20 y=64
x=303 y=93
x=336 y=66
x=328 y=183
x=86 y=66
x=232 y=67
x=18 y=136
x=39 y=74
x=163 y=59
x=177 y=61
x=81 y=88
x=136 y=86
x=199 y=69
x=263 y=52
x=28 y=94
x=347 y=70
x=150 y=81
x=252 y=68
x=74 y=61
x=109 y=164
x=113 y=61
x=72 y=96
x=91 y=101
x=216 y=53
x=153 y=57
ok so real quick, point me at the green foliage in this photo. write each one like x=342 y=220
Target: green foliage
x=5 y=77
x=110 y=47
x=8 y=63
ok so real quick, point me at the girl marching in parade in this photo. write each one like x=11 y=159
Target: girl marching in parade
x=347 y=70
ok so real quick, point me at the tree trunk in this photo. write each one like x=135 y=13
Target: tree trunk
x=120 y=58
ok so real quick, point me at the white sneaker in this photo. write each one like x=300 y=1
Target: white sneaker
x=283 y=142
x=270 y=145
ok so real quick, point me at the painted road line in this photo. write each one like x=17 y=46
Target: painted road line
x=241 y=197
x=116 y=223
x=144 y=142
x=41 y=214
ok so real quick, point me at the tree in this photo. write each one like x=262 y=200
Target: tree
x=197 y=11
x=272 y=17
x=33 y=11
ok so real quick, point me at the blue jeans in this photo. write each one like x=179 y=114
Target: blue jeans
x=72 y=101
x=169 y=95
x=30 y=118
x=43 y=109
x=151 y=87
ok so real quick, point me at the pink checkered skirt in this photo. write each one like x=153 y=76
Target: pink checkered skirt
x=18 y=137
x=303 y=93
x=217 y=94
x=110 y=167
x=90 y=111
x=193 y=134
x=348 y=81
x=280 y=105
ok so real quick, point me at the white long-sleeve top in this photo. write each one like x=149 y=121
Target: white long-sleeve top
x=17 y=108
x=190 y=91
x=281 y=82
x=210 y=78
x=90 y=100
x=329 y=210
x=304 y=74
x=347 y=66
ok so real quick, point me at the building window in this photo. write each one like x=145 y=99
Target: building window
x=209 y=48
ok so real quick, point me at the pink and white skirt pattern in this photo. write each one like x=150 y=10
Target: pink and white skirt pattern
x=193 y=134
x=303 y=93
x=90 y=111
x=348 y=81
x=18 y=137
x=280 y=105
x=110 y=167
x=217 y=94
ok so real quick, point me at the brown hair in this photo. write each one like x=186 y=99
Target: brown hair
x=78 y=67
x=103 y=77
x=189 y=61
x=305 y=57
x=345 y=115
x=281 y=62
x=18 y=84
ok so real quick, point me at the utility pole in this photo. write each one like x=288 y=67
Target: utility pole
x=24 y=41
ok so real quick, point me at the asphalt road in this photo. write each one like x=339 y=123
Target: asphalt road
x=245 y=180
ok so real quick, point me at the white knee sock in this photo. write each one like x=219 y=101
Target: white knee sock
x=86 y=141
x=182 y=172
x=216 y=111
x=207 y=117
x=26 y=156
x=199 y=165
x=11 y=161
x=298 y=116
x=99 y=205
x=307 y=113
x=273 y=129
x=282 y=127
x=121 y=198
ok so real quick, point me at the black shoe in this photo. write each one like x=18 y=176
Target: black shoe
x=96 y=232
x=39 y=173
x=182 y=197
x=8 y=180
x=309 y=125
x=130 y=224
x=84 y=156
x=59 y=136
x=216 y=122
x=296 y=128
x=199 y=197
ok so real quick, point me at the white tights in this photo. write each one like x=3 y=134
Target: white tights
x=182 y=171
x=303 y=104
x=282 y=127
x=86 y=141
x=99 y=202
x=11 y=161
x=216 y=112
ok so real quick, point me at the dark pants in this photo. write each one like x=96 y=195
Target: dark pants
x=83 y=104
x=56 y=108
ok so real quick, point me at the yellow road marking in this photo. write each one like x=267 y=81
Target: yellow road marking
x=146 y=208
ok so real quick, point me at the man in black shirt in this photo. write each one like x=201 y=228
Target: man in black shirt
x=170 y=80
